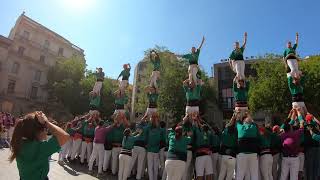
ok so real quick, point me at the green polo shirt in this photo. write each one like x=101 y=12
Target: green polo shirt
x=86 y=130
x=237 y=54
x=32 y=160
x=100 y=76
x=117 y=134
x=247 y=130
x=121 y=101
x=156 y=64
x=295 y=89
x=128 y=142
x=193 y=58
x=228 y=139
x=153 y=98
x=95 y=101
x=153 y=138
x=215 y=141
x=275 y=141
x=241 y=94
x=194 y=93
x=202 y=138
x=179 y=145
x=265 y=142
x=290 y=50
x=125 y=74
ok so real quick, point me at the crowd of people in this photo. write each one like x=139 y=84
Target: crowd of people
x=189 y=149
x=7 y=123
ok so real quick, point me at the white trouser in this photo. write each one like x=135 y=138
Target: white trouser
x=164 y=173
x=97 y=87
x=123 y=85
x=115 y=159
x=106 y=159
x=150 y=111
x=85 y=148
x=65 y=149
x=162 y=160
x=124 y=166
x=203 y=165
x=300 y=105
x=154 y=78
x=193 y=70
x=188 y=169
x=228 y=165
x=301 y=161
x=138 y=154
x=294 y=69
x=265 y=163
x=247 y=164
x=191 y=109
x=214 y=158
x=75 y=148
x=121 y=111
x=276 y=166
x=97 y=154
x=153 y=165
x=289 y=165
x=175 y=169
x=238 y=68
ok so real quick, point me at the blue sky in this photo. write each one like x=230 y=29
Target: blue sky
x=114 y=32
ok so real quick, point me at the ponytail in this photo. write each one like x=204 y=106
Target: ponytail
x=16 y=141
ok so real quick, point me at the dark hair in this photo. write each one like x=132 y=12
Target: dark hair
x=100 y=123
x=205 y=128
x=162 y=124
x=126 y=132
x=27 y=128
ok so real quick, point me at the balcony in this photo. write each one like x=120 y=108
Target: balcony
x=22 y=95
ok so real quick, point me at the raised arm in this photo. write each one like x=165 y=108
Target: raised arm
x=186 y=82
x=203 y=39
x=245 y=40
x=297 y=39
x=129 y=66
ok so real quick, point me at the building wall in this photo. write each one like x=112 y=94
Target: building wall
x=34 y=49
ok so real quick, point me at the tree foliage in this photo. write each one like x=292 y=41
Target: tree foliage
x=269 y=90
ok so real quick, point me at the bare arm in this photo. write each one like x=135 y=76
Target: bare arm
x=245 y=40
x=56 y=131
x=201 y=43
x=297 y=38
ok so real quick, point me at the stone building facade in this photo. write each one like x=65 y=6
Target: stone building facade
x=25 y=58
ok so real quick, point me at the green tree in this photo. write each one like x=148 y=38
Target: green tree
x=269 y=90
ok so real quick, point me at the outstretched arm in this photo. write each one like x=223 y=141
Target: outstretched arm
x=245 y=40
x=297 y=38
x=201 y=43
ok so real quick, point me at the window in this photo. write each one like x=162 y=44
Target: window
x=42 y=58
x=34 y=92
x=11 y=86
x=21 y=51
x=26 y=35
x=46 y=44
x=37 y=75
x=60 y=52
x=15 y=68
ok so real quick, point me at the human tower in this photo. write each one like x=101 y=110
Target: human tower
x=190 y=145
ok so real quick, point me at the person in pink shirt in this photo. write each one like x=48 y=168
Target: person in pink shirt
x=98 y=146
x=290 y=140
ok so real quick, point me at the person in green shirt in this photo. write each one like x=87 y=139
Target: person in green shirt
x=155 y=75
x=67 y=147
x=126 y=153
x=95 y=100
x=88 y=127
x=193 y=96
x=125 y=74
x=153 y=96
x=275 y=150
x=193 y=59
x=31 y=148
x=296 y=87
x=120 y=101
x=248 y=146
x=265 y=154
x=240 y=91
x=228 y=151
x=153 y=136
x=290 y=58
x=99 y=77
x=177 y=153
x=236 y=58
